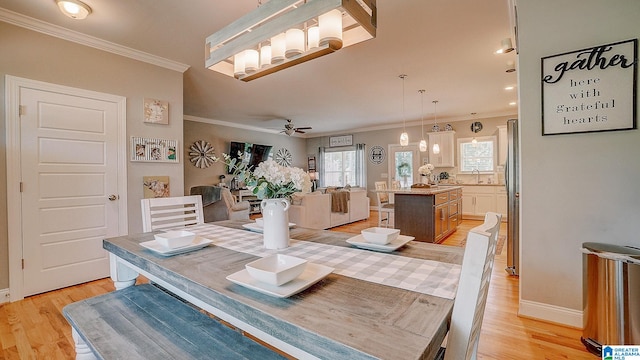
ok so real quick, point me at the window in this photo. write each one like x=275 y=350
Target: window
x=340 y=168
x=479 y=156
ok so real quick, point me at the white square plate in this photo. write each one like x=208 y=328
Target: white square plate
x=360 y=242
x=257 y=228
x=197 y=243
x=311 y=275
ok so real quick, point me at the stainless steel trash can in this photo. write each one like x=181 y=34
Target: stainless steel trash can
x=611 y=295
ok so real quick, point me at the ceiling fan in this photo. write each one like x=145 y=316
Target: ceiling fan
x=289 y=129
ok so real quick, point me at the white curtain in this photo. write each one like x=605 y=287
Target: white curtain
x=320 y=166
x=361 y=165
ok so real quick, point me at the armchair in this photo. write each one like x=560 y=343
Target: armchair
x=219 y=204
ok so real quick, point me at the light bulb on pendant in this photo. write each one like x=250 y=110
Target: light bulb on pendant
x=423 y=142
x=404 y=137
x=436 y=147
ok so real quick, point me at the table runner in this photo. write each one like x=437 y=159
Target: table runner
x=419 y=275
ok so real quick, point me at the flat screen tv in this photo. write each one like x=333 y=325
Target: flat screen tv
x=253 y=154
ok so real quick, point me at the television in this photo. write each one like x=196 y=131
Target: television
x=252 y=154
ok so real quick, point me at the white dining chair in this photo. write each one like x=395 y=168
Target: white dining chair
x=384 y=206
x=473 y=287
x=171 y=212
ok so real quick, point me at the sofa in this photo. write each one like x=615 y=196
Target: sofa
x=326 y=209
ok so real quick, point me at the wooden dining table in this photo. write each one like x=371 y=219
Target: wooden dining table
x=339 y=317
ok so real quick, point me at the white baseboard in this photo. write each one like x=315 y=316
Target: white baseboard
x=551 y=313
x=4 y=296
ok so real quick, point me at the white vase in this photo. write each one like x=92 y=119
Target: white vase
x=425 y=179
x=275 y=230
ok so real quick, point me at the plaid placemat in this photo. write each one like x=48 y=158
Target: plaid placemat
x=423 y=276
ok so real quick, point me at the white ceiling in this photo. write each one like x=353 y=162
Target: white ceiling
x=444 y=46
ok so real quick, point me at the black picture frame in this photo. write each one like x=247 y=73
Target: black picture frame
x=590 y=90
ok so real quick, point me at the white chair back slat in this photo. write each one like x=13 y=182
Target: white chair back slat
x=163 y=213
x=473 y=289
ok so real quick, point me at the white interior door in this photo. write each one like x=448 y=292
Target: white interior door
x=70 y=193
x=404 y=162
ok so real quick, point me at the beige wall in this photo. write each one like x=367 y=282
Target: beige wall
x=575 y=188
x=392 y=136
x=220 y=136
x=35 y=56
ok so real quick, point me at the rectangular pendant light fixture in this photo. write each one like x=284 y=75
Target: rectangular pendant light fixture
x=283 y=33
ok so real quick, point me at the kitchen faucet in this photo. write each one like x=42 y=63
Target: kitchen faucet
x=477 y=175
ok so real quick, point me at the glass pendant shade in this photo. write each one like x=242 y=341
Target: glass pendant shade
x=436 y=149
x=295 y=43
x=423 y=145
x=278 y=47
x=404 y=139
x=265 y=55
x=238 y=64
x=251 y=61
x=313 y=37
x=330 y=25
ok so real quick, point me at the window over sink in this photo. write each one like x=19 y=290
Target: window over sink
x=480 y=155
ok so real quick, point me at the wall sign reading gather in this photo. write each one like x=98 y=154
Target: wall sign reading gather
x=590 y=90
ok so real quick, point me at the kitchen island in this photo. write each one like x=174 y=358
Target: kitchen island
x=428 y=214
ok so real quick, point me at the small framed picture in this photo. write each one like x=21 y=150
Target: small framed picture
x=154 y=150
x=156 y=111
x=155 y=186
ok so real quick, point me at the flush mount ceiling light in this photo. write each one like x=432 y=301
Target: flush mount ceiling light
x=404 y=137
x=284 y=33
x=74 y=9
x=423 y=142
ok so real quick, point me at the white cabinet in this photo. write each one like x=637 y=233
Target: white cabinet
x=479 y=199
x=501 y=201
x=445 y=140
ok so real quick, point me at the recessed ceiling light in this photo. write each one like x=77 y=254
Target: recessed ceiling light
x=509 y=88
x=74 y=9
x=513 y=103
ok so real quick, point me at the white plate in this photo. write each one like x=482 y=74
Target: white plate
x=198 y=243
x=360 y=242
x=257 y=228
x=311 y=275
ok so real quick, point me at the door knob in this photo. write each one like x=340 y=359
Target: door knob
x=113 y=197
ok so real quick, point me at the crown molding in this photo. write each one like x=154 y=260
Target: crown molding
x=46 y=28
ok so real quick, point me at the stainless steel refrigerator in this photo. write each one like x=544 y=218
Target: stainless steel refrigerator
x=512 y=181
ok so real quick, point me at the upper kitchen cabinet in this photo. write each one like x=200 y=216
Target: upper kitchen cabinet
x=445 y=140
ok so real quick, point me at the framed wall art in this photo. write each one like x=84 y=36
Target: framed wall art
x=155 y=187
x=343 y=140
x=590 y=90
x=154 y=150
x=156 y=111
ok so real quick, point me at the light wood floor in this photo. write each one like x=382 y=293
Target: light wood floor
x=34 y=328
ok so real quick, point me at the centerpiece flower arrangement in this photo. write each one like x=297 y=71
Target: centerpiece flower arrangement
x=273 y=184
x=269 y=180
x=425 y=169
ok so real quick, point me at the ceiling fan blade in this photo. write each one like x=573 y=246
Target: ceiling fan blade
x=304 y=128
x=299 y=131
